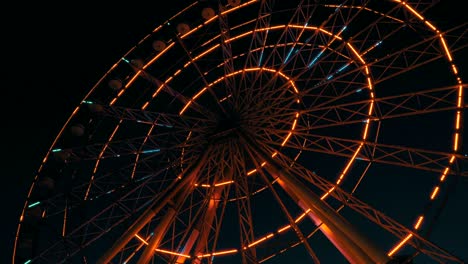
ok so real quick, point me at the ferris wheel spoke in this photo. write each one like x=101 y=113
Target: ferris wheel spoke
x=197 y=234
x=292 y=222
x=201 y=76
x=257 y=43
x=317 y=210
x=420 y=159
x=259 y=37
x=418 y=242
x=419 y=103
x=398 y=230
x=133 y=199
x=296 y=53
x=409 y=58
x=163 y=86
x=188 y=179
x=272 y=106
x=199 y=214
x=96 y=222
x=152 y=145
x=337 y=19
x=266 y=57
x=228 y=60
x=164 y=120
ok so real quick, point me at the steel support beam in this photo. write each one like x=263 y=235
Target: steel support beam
x=356 y=248
x=187 y=177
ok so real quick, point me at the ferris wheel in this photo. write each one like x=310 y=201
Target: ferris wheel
x=261 y=132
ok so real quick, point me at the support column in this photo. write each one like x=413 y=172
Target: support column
x=163 y=226
x=187 y=179
x=203 y=227
x=353 y=245
x=201 y=231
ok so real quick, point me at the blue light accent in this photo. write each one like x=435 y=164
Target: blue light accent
x=315 y=59
x=164 y=125
x=358 y=90
x=378 y=43
x=57 y=150
x=87 y=102
x=289 y=55
x=33 y=204
x=27 y=262
x=124 y=59
x=157 y=124
x=330 y=76
x=261 y=58
x=150 y=151
x=342 y=68
x=336 y=9
x=146 y=177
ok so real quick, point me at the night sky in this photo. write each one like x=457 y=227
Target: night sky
x=53 y=56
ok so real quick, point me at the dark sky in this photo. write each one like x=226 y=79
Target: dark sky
x=52 y=55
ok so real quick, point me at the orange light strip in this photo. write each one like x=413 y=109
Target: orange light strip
x=330 y=191
x=452 y=159
x=395 y=249
x=172 y=253
x=137 y=158
x=356 y=53
x=162 y=250
x=225 y=252
x=185 y=107
x=430 y=25
x=223 y=183
x=191 y=31
x=301 y=216
x=449 y=56
x=215 y=185
x=435 y=192
x=413 y=11
x=251 y=172
x=442 y=178
x=121 y=92
x=202 y=54
x=460 y=94
x=284 y=228
x=260 y=240
x=457 y=122
x=454 y=68
x=419 y=222
x=99 y=158
x=455 y=142
x=237 y=7
x=199 y=93
x=141 y=239
x=158 y=55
